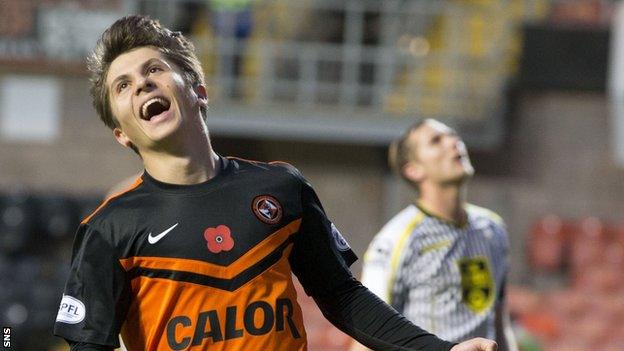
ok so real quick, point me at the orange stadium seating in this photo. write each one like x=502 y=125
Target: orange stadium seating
x=586 y=312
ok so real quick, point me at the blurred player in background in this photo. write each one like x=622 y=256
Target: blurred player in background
x=441 y=262
x=198 y=253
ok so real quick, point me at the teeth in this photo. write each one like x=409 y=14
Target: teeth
x=151 y=101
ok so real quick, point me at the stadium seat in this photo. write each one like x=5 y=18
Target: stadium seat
x=17 y=222
x=546 y=244
x=567 y=344
x=13 y=307
x=587 y=313
x=43 y=301
x=588 y=245
x=614 y=254
x=58 y=216
x=588 y=328
x=543 y=325
x=522 y=300
x=618 y=233
x=567 y=304
x=601 y=280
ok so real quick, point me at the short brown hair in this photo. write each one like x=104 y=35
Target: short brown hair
x=129 y=33
x=400 y=150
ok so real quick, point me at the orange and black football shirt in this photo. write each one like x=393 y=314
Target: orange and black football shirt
x=205 y=266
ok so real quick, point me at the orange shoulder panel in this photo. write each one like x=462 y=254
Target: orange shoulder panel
x=136 y=183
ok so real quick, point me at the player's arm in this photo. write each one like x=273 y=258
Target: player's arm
x=376 y=274
x=96 y=295
x=476 y=344
x=361 y=314
x=321 y=258
x=504 y=333
x=356 y=346
x=358 y=312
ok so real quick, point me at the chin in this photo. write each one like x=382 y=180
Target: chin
x=167 y=130
x=459 y=179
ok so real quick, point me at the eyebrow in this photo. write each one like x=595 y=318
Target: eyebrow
x=144 y=67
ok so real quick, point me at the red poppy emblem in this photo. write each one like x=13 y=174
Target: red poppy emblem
x=219 y=239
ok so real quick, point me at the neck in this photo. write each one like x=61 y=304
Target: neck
x=191 y=163
x=445 y=202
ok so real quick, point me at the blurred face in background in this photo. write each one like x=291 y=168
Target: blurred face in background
x=439 y=156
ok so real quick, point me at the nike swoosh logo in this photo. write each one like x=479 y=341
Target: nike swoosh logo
x=155 y=239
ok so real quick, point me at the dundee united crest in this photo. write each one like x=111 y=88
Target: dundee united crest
x=267 y=209
x=477 y=284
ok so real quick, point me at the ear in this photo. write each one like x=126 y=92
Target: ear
x=202 y=94
x=414 y=172
x=122 y=138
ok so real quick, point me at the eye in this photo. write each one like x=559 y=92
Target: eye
x=121 y=86
x=436 y=139
x=154 y=69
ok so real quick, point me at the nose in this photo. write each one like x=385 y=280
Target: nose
x=454 y=140
x=144 y=85
x=460 y=146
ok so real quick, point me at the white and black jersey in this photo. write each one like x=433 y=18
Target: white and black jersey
x=444 y=278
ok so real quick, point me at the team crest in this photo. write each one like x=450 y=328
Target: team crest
x=477 y=284
x=341 y=242
x=267 y=209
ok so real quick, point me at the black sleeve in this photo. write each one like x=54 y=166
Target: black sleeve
x=321 y=258
x=81 y=346
x=358 y=312
x=96 y=296
x=503 y=290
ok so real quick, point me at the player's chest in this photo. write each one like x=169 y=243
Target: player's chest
x=217 y=228
x=448 y=253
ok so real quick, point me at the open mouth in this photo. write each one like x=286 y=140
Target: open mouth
x=154 y=107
